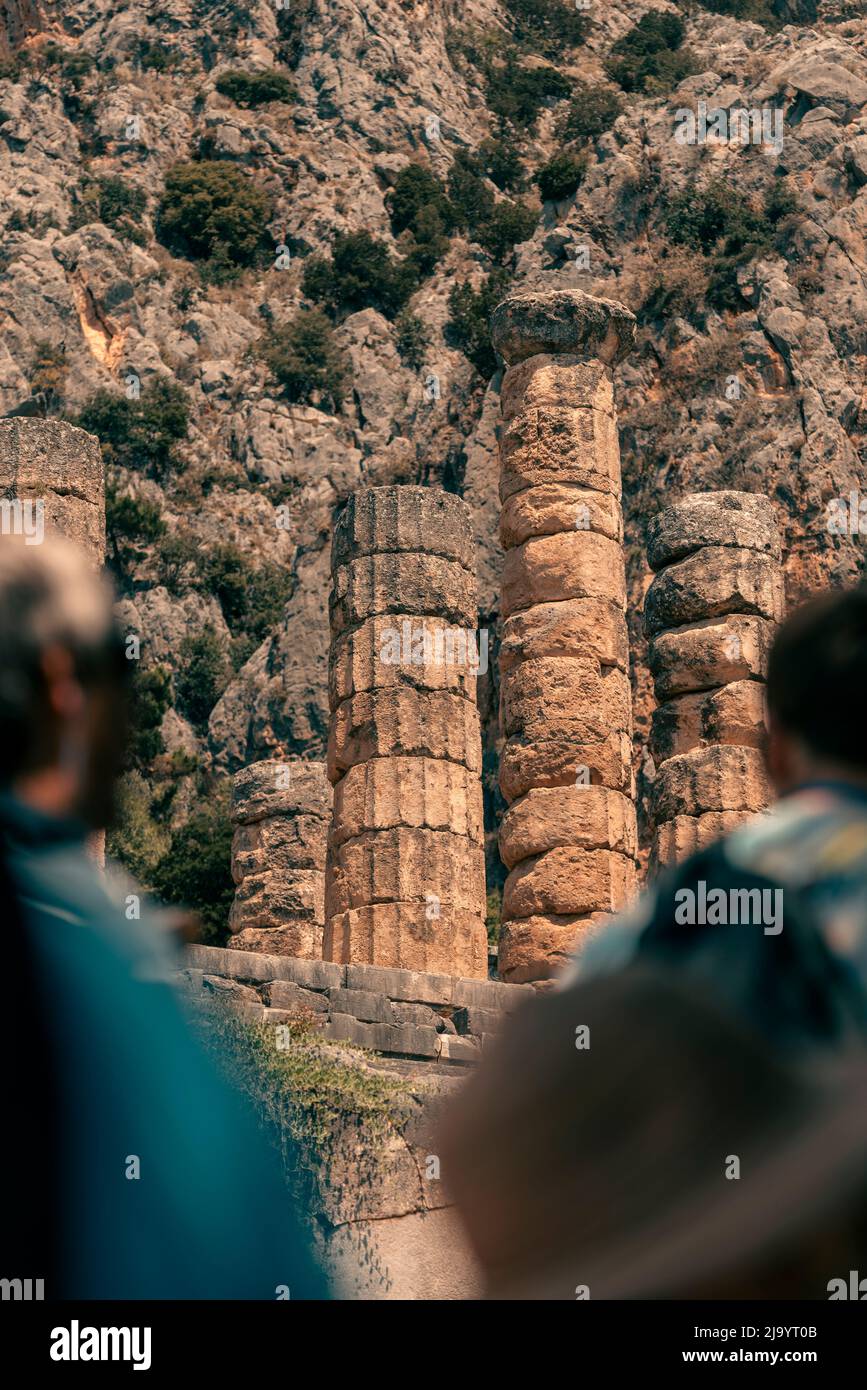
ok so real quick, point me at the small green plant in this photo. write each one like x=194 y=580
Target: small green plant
x=592 y=111
x=196 y=870
x=252 y=597
x=140 y=434
x=212 y=212
x=549 y=27
x=561 y=176
x=132 y=524
x=150 y=699
x=48 y=370
x=304 y=359
x=649 y=58
x=412 y=339
x=359 y=273
x=517 y=94
x=758 y=11
x=202 y=676
x=508 y=224
x=418 y=204
x=151 y=55
x=136 y=837
x=471 y=198
x=725 y=226
x=469 y=323
x=500 y=159
x=177 y=554
x=113 y=201
x=252 y=89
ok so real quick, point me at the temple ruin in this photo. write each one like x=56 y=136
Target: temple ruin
x=710 y=614
x=569 y=835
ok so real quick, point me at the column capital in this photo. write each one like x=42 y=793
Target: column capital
x=562 y=322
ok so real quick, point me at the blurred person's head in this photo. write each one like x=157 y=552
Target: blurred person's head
x=817 y=687
x=63 y=679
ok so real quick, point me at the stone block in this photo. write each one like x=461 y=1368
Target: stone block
x=403 y=722
x=380 y=520
x=489 y=994
x=677 y=726
x=569 y=882
x=405 y=985
x=362 y=1004
x=590 y=817
x=553 y=508
x=432 y=868
x=560 y=446
x=281 y=845
x=247 y=965
x=549 y=698
x=728 y=778
x=711 y=583
x=733 y=714
x=477 y=1021
x=538 y=948
x=400 y=932
x=580 y=627
x=454 y=1049
x=414 y=793
x=536 y=761
x=713 y=652
x=295 y=939
x=403 y=1039
x=61 y=466
x=545 y=381
x=286 y=994
x=675 y=840
x=745 y=520
x=290 y=1017
x=562 y=322
x=284 y=787
x=421 y=584
x=404 y=651
x=572 y=565
x=271 y=900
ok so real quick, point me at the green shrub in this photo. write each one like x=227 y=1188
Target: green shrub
x=140 y=434
x=470 y=196
x=151 y=55
x=469 y=326
x=48 y=370
x=212 y=212
x=360 y=273
x=508 y=224
x=418 y=204
x=201 y=677
x=560 y=177
x=592 y=111
x=500 y=159
x=120 y=205
x=136 y=837
x=304 y=359
x=758 y=11
x=176 y=559
x=721 y=223
x=516 y=94
x=131 y=524
x=252 y=89
x=252 y=597
x=292 y=21
x=150 y=698
x=649 y=58
x=196 y=870
x=412 y=339
x=546 y=26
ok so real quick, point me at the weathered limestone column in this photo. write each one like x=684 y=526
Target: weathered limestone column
x=710 y=613
x=52 y=479
x=569 y=835
x=405 y=881
x=60 y=467
x=281 y=810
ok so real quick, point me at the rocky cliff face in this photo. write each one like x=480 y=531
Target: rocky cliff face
x=744 y=263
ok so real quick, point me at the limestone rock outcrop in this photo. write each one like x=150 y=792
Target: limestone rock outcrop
x=405 y=882
x=710 y=614
x=281 y=811
x=52 y=475
x=569 y=836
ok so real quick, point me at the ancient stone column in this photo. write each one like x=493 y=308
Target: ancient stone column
x=710 y=614
x=281 y=810
x=569 y=835
x=405 y=881
x=52 y=475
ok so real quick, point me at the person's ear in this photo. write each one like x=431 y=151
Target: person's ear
x=63 y=693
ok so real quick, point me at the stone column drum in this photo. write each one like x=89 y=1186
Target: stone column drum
x=405 y=881
x=281 y=810
x=569 y=835
x=710 y=614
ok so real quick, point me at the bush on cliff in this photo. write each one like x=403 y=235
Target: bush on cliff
x=141 y=434
x=549 y=27
x=252 y=89
x=201 y=676
x=592 y=111
x=304 y=359
x=196 y=870
x=469 y=324
x=214 y=213
x=115 y=202
x=561 y=176
x=649 y=58
x=360 y=273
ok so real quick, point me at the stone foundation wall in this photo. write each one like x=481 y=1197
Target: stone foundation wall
x=710 y=613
